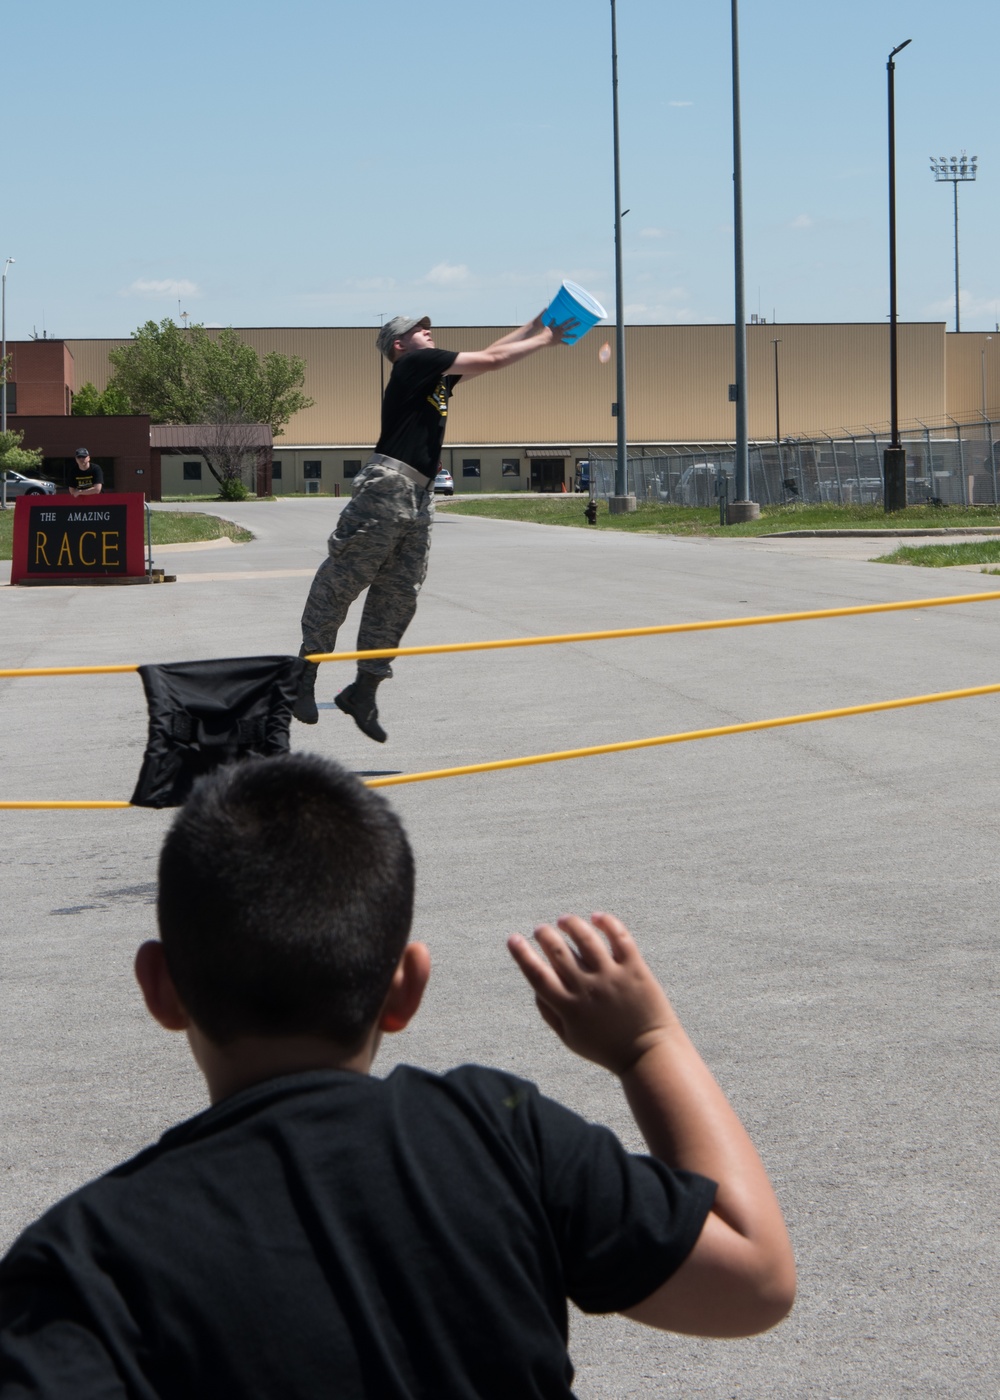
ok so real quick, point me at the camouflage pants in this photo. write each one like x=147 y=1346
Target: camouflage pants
x=381 y=543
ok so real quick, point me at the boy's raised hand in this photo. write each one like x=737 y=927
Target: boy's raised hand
x=596 y=993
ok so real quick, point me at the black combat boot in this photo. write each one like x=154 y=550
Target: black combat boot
x=304 y=708
x=358 y=701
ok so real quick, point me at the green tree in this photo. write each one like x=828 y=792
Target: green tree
x=186 y=376
x=90 y=402
x=232 y=378
x=198 y=376
x=154 y=373
x=15 y=458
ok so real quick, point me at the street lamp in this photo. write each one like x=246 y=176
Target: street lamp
x=3 y=375
x=621 y=502
x=3 y=349
x=381 y=364
x=894 y=457
x=954 y=171
x=743 y=507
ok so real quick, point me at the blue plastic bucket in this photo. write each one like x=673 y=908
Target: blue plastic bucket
x=573 y=303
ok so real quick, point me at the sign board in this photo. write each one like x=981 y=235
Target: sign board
x=78 y=538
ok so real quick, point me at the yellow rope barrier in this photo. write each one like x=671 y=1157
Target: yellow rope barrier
x=658 y=631
x=507 y=643
x=69 y=671
x=718 y=732
x=48 y=806
x=686 y=737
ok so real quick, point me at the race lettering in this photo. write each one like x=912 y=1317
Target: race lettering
x=87 y=563
x=439 y=399
x=41 y=540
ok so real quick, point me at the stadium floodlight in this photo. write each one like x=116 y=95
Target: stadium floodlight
x=954 y=170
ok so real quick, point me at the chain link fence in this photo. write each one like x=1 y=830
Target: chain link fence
x=947 y=463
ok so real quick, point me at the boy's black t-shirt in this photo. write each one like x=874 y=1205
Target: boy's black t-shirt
x=415 y=408
x=331 y=1233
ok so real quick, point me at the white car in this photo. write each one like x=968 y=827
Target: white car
x=443 y=483
x=18 y=485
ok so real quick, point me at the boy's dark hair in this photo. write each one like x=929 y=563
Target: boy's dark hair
x=285 y=901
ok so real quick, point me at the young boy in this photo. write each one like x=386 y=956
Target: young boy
x=318 y=1231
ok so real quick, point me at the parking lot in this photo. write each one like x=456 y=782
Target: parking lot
x=820 y=901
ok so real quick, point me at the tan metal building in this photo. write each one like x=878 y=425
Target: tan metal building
x=530 y=425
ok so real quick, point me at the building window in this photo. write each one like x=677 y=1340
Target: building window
x=351 y=468
x=511 y=466
x=275 y=469
x=11 y=389
x=312 y=471
x=192 y=471
x=470 y=466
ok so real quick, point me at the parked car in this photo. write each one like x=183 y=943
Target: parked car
x=443 y=483
x=18 y=485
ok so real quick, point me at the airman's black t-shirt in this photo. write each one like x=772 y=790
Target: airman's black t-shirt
x=333 y=1234
x=415 y=408
x=82 y=478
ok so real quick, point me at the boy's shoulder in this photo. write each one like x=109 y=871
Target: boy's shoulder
x=303 y=1105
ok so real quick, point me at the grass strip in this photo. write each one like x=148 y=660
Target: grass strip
x=649 y=518
x=169 y=527
x=944 y=556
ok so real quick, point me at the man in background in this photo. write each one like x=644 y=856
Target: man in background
x=85 y=477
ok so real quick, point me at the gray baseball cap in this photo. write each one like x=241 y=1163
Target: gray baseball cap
x=398 y=326
x=82 y=452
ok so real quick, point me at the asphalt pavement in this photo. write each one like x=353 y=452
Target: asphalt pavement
x=819 y=900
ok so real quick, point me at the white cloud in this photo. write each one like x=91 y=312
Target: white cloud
x=165 y=287
x=447 y=274
x=680 y=104
x=801 y=221
x=665 y=305
x=983 y=308
x=371 y=284
x=652 y=233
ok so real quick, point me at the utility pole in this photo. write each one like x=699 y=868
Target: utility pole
x=3 y=375
x=894 y=457
x=621 y=503
x=777 y=406
x=742 y=508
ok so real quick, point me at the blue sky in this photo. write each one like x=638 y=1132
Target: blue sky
x=322 y=163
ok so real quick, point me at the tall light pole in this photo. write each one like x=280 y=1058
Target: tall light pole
x=954 y=171
x=3 y=375
x=894 y=457
x=987 y=421
x=743 y=508
x=3 y=349
x=982 y=356
x=622 y=502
